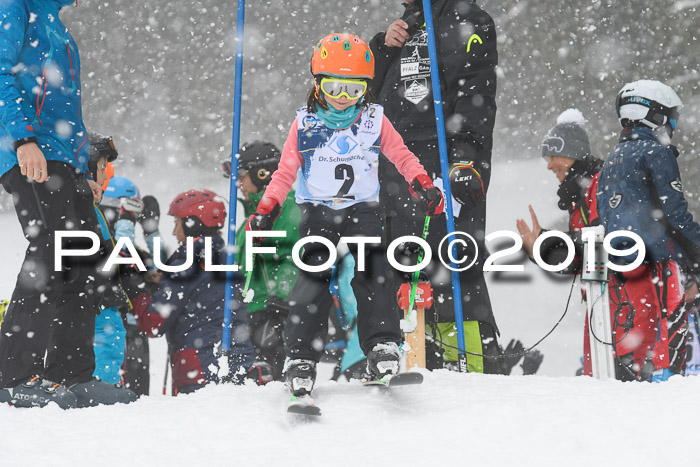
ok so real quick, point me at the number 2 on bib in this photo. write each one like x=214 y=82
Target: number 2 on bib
x=344 y=172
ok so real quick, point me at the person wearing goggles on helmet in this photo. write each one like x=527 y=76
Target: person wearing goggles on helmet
x=334 y=146
x=640 y=190
x=272 y=277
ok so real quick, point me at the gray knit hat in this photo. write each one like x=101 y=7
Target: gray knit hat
x=567 y=140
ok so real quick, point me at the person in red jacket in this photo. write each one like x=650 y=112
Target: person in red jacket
x=633 y=303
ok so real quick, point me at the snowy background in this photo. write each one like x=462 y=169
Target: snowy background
x=158 y=76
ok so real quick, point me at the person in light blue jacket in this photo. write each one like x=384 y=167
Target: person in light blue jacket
x=47 y=334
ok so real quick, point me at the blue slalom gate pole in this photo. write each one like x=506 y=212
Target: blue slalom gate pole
x=233 y=188
x=444 y=165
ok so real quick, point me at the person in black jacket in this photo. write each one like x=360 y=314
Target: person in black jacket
x=467 y=57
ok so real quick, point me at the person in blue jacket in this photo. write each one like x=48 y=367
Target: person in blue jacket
x=47 y=334
x=188 y=307
x=110 y=334
x=640 y=190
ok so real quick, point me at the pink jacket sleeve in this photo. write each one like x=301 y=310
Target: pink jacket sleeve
x=393 y=147
x=286 y=173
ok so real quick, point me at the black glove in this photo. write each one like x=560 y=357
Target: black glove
x=429 y=198
x=512 y=355
x=264 y=218
x=531 y=362
x=466 y=184
x=150 y=215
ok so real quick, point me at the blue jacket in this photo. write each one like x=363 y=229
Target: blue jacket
x=192 y=304
x=640 y=190
x=40 y=83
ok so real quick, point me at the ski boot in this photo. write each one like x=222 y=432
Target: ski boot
x=383 y=360
x=95 y=392
x=39 y=392
x=300 y=375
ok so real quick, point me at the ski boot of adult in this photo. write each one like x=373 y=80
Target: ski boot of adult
x=5 y=396
x=383 y=360
x=39 y=392
x=94 y=392
x=300 y=375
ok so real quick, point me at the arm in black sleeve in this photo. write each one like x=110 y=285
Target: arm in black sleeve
x=468 y=57
x=383 y=57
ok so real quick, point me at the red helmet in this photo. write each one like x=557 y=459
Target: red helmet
x=205 y=205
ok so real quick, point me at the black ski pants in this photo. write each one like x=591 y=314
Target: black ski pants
x=49 y=327
x=404 y=217
x=310 y=300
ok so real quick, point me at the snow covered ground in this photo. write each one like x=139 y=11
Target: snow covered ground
x=452 y=419
x=483 y=420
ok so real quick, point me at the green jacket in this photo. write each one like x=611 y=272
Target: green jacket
x=280 y=269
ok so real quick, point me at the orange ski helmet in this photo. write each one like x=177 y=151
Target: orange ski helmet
x=343 y=56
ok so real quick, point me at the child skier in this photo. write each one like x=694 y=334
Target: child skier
x=334 y=145
x=188 y=307
x=110 y=333
x=123 y=207
x=272 y=277
x=640 y=190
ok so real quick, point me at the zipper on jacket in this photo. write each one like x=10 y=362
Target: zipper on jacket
x=41 y=97
x=70 y=62
x=76 y=151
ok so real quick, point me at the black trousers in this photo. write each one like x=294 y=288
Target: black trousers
x=310 y=300
x=49 y=327
x=137 y=361
x=404 y=217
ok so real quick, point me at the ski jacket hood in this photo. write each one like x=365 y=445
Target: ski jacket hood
x=640 y=190
x=40 y=84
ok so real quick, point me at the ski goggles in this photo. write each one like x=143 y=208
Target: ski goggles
x=339 y=87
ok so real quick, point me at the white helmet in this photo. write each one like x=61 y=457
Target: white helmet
x=649 y=102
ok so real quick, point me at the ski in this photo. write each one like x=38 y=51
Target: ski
x=401 y=379
x=304 y=406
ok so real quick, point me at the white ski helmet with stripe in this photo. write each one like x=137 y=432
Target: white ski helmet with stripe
x=649 y=102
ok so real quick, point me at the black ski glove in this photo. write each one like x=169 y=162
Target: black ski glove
x=429 y=198
x=263 y=218
x=531 y=362
x=466 y=184
x=512 y=355
x=150 y=215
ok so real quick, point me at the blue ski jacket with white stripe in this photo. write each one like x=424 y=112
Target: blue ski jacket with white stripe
x=640 y=190
x=40 y=84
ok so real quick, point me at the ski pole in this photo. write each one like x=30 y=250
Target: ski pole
x=414 y=285
x=246 y=288
x=233 y=186
x=444 y=165
x=165 y=379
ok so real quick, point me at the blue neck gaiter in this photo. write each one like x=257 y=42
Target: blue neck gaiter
x=338 y=120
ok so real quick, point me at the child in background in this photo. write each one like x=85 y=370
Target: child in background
x=110 y=333
x=640 y=190
x=188 y=306
x=333 y=146
x=272 y=277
